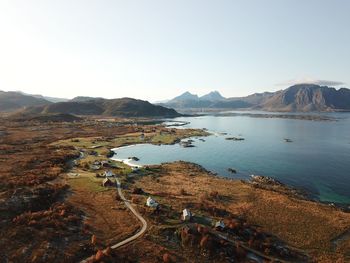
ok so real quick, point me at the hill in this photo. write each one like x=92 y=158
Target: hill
x=124 y=107
x=11 y=101
x=84 y=98
x=254 y=99
x=51 y=99
x=54 y=117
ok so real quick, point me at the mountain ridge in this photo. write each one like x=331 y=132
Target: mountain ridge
x=212 y=96
x=296 y=98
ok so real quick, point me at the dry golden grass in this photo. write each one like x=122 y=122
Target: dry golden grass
x=302 y=224
x=109 y=220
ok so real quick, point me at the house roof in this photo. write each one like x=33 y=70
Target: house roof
x=106 y=181
x=220 y=223
x=186 y=212
x=151 y=202
x=109 y=173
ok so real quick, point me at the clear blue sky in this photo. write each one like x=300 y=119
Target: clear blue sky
x=157 y=49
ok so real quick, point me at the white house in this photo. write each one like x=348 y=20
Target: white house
x=151 y=202
x=220 y=224
x=95 y=167
x=107 y=182
x=186 y=215
x=109 y=173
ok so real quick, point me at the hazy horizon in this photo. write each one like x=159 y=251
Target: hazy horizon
x=156 y=50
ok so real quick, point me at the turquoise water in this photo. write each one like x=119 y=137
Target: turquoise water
x=317 y=160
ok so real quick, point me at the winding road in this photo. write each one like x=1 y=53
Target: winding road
x=137 y=215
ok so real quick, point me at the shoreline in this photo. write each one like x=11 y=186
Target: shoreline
x=126 y=161
x=274 y=185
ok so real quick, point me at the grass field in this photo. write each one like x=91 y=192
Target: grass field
x=88 y=183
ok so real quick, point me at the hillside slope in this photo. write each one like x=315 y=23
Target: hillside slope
x=124 y=107
x=12 y=101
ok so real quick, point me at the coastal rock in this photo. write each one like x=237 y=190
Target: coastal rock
x=187 y=144
x=265 y=180
x=231 y=170
x=234 y=139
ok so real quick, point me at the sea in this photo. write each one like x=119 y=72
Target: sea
x=316 y=159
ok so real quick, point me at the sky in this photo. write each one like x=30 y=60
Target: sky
x=157 y=49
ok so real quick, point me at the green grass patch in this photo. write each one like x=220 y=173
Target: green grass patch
x=88 y=183
x=164 y=138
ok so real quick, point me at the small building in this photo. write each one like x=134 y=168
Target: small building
x=186 y=215
x=95 y=167
x=105 y=164
x=107 y=182
x=109 y=173
x=151 y=202
x=219 y=225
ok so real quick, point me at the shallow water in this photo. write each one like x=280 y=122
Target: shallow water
x=317 y=160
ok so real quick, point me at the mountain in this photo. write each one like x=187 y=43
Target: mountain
x=11 y=101
x=308 y=97
x=300 y=98
x=125 y=107
x=212 y=96
x=211 y=100
x=187 y=96
x=184 y=97
x=189 y=100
